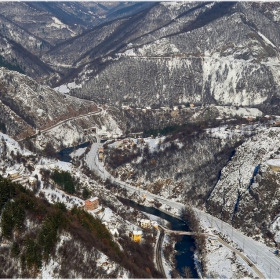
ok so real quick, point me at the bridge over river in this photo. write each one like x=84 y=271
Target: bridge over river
x=187 y=232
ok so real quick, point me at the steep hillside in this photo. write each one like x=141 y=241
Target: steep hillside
x=29 y=104
x=37 y=237
x=246 y=194
x=15 y=57
x=45 y=233
x=184 y=167
x=29 y=29
x=224 y=53
x=54 y=22
x=122 y=32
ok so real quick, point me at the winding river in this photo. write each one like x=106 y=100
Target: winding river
x=184 y=248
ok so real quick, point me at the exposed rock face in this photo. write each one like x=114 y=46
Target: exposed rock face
x=246 y=194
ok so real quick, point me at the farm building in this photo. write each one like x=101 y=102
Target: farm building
x=137 y=235
x=13 y=174
x=145 y=223
x=274 y=164
x=32 y=181
x=91 y=204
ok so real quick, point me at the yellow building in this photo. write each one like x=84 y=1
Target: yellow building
x=137 y=235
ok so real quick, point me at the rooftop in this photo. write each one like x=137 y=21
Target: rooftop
x=13 y=172
x=93 y=199
x=145 y=221
x=274 y=162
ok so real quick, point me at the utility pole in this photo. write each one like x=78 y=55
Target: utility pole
x=243 y=244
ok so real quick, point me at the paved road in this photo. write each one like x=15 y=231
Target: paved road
x=249 y=262
x=64 y=121
x=158 y=253
x=262 y=256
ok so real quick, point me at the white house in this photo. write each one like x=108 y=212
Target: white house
x=145 y=223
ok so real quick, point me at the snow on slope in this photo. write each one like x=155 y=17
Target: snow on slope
x=225 y=76
x=13 y=145
x=257 y=150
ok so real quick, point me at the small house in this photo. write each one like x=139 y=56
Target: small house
x=13 y=174
x=100 y=156
x=101 y=150
x=91 y=204
x=32 y=181
x=192 y=105
x=154 y=224
x=145 y=223
x=137 y=235
x=114 y=232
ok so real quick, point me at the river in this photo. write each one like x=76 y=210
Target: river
x=64 y=155
x=184 y=248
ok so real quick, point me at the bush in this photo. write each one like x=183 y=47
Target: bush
x=15 y=250
x=86 y=193
x=8 y=65
x=12 y=217
x=49 y=151
x=64 y=180
x=3 y=127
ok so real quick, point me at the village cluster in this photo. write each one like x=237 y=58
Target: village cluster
x=164 y=108
x=92 y=204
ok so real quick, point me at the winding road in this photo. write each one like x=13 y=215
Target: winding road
x=158 y=253
x=262 y=258
x=64 y=121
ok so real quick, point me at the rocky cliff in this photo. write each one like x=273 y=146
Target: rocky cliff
x=246 y=194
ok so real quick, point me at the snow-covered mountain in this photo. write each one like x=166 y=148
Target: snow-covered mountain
x=225 y=53
x=29 y=29
x=246 y=194
x=148 y=53
x=28 y=108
